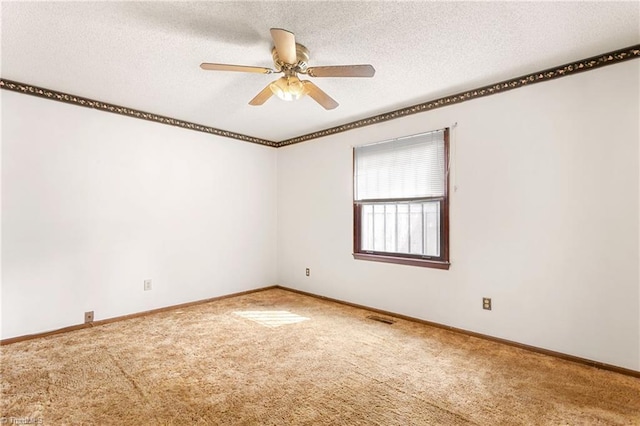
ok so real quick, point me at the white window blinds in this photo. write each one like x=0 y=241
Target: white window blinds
x=411 y=167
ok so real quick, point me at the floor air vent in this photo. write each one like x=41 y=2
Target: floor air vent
x=381 y=319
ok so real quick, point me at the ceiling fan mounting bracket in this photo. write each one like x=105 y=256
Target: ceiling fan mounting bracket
x=302 y=56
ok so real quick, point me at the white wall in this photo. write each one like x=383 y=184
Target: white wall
x=94 y=203
x=545 y=219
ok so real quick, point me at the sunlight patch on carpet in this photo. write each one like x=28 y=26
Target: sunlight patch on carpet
x=271 y=318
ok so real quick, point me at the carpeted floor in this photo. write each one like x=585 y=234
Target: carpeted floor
x=280 y=358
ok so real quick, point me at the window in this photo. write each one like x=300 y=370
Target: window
x=401 y=205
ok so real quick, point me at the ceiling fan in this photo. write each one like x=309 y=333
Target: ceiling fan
x=291 y=58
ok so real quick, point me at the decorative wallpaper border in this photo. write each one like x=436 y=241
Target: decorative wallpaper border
x=610 y=58
x=594 y=62
x=116 y=109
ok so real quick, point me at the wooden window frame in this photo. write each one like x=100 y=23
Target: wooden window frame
x=441 y=262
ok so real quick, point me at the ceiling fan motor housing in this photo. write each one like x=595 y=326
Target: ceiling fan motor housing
x=302 y=56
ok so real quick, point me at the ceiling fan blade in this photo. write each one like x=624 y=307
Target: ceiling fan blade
x=238 y=68
x=326 y=101
x=261 y=97
x=342 y=71
x=285 y=43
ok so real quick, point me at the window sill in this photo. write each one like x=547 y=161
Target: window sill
x=437 y=264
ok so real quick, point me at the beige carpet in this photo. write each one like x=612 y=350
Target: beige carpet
x=279 y=358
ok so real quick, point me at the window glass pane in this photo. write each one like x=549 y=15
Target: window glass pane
x=432 y=228
x=403 y=228
x=378 y=227
x=411 y=228
x=367 y=227
x=415 y=225
x=390 y=228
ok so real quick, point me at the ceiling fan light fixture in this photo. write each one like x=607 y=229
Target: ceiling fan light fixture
x=288 y=88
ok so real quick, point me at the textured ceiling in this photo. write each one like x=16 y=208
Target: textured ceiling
x=146 y=55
